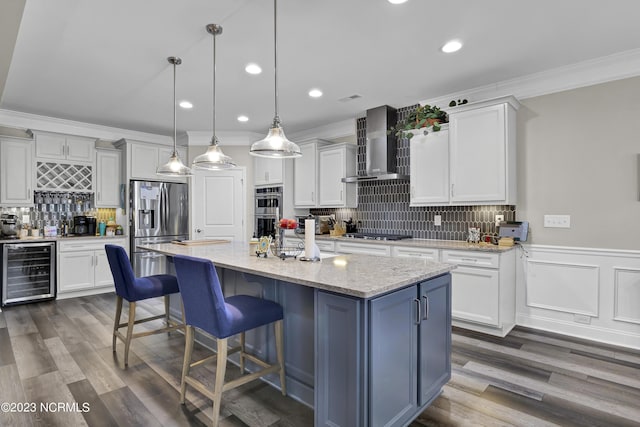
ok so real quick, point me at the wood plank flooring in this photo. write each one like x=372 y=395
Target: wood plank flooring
x=60 y=351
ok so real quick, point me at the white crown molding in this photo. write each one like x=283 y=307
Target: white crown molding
x=330 y=131
x=26 y=121
x=198 y=137
x=600 y=70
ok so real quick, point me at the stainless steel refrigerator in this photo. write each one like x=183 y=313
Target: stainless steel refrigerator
x=159 y=213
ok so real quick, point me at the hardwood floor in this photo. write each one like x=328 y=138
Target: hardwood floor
x=60 y=351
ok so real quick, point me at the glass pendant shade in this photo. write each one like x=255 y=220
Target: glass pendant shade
x=275 y=145
x=174 y=167
x=213 y=158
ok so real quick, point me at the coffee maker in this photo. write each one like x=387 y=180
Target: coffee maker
x=10 y=226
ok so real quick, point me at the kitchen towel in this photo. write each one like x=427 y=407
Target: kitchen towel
x=311 y=251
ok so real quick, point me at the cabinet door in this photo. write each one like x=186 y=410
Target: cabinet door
x=102 y=273
x=435 y=337
x=304 y=177
x=429 y=168
x=76 y=271
x=144 y=161
x=476 y=295
x=80 y=149
x=478 y=155
x=51 y=146
x=393 y=356
x=268 y=171
x=331 y=167
x=17 y=172
x=107 y=179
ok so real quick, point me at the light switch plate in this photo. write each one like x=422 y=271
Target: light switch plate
x=557 y=221
x=437 y=220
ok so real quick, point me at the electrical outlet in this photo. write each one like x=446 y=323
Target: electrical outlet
x=582 y=318
x=499 y=219
x=437 y=220
x=557 y=221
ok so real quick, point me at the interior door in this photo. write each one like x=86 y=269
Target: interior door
x=218 y=204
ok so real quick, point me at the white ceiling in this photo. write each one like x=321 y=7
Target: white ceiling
x=104 y=62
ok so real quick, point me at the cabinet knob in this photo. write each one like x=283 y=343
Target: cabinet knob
x=198 y=230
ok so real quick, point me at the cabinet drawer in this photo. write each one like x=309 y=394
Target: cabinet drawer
x=326 y=246
x=363 y=248
x=88 y=245
x=472 y=258
x=412 y=252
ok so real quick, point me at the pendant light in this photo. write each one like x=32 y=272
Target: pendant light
x=174 y=167
x=276 y=144
x=213 y=158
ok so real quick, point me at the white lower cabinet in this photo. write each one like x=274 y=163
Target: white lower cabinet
x=414 y=252
x=483 y=290
x=83 y=265
x=362 y=248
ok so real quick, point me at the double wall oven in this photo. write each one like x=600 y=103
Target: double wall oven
x=267 y=210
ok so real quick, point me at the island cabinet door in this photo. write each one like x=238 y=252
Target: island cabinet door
x=393 y=357
x=435 y=337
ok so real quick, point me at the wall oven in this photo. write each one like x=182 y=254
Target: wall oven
x=267 y=210
x=28 y=272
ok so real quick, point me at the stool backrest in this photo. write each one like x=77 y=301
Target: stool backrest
x=123 y=275
x=204 y=305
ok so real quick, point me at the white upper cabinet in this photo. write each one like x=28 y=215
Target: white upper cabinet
x=57 y=146
x=482 y=141
x=429 y=167
x=108 y=178
x=305 y=175
x=268 y=171
x=142 y=160
x=335 y=162
x=16 y=172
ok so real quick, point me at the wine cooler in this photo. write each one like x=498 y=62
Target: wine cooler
x=28 y=272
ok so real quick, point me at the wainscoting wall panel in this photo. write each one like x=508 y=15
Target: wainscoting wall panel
x=571 y=288
x=589 y=293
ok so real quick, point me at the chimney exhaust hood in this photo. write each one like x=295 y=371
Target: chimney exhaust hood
x=380 y=148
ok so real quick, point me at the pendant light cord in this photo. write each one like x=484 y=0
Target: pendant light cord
x=175 y=113
x=214 y=138
x=276 y=119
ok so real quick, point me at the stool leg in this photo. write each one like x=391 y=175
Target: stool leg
x=242 y=342
x=127 y=343
x=117 y=321
x=166 y=309
x=221 y=368
x=188 y=351
x=280 y=355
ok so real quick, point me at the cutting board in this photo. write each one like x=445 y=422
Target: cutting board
x=200 y=242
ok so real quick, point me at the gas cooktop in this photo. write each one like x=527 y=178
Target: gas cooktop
x=377 y=236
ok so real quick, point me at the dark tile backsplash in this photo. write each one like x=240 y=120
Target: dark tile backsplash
x=383 y=206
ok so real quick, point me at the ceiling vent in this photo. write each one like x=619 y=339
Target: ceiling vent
x=350 y=98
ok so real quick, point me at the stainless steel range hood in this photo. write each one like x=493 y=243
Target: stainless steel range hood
x=380 y=148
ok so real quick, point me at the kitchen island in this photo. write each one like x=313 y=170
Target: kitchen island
x=367 y=339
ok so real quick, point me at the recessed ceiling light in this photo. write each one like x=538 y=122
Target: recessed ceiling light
x=397 y=1
x=243 y=118
x=451 y=46
x=186 y=105
x=253 y=69
x=315 y=93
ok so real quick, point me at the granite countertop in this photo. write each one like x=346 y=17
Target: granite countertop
x=57 y=239
x=363 y=276
x=418 y=243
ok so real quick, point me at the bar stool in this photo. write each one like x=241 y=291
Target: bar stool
x=134 y=289
x=206 y=308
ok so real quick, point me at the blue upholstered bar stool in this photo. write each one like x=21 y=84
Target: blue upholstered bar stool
x=206 y=308
x=135 y=289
